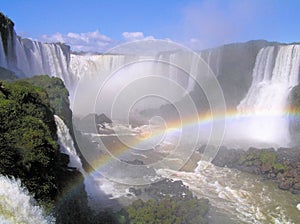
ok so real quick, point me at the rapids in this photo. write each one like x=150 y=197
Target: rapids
x=18 y=206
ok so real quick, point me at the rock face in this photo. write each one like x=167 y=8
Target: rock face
x=29 y=150
x=232 y=63
x=91 y=122
x=169 y=187
x=27 y=58
x=6 y=29
x=282 y=166
x=294 y=125
x=166 y=187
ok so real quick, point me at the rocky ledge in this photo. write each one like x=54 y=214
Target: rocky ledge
x=158 y=190
x=281 y=166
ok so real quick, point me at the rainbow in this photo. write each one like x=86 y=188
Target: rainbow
x=201 y=120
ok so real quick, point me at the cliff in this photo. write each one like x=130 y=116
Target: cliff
x=6 y=28
x=29 y=149
x=232 y=63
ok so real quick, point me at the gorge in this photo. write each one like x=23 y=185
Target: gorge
x=260 y=85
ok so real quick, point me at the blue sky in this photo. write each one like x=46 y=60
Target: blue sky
x=98 y=24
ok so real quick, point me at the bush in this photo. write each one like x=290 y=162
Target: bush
x=167 y=210
x=29 y=150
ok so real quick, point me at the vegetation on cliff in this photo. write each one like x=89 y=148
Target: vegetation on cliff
x=282 y=165
x=29 y=151
x=6 y=27
x=58 y=95
x=167 y=211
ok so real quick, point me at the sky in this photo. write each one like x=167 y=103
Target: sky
x=97 y=25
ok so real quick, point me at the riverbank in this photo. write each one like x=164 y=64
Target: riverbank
x=281 y=166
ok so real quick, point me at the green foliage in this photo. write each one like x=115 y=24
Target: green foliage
x=59 y=101
x=267 y=157
x=278 y=167
x=262 y=158
x=6 y=27
x=28 y=148
x=167 y=210
x=58 y=95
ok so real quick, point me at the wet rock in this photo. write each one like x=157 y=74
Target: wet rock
x=249 y=169
x=282 y=166
x=257 y=163
x=288 y=154
x=134 y=162
x=271 y=176
x=293 y=191
x=266 y=167
x=285 y=185
x=227 y=157
x=291 y=173
x=296 y=181
x=175 y=189
x=135 y=191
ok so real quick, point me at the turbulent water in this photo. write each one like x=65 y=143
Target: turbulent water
x=98 y=188
x=246 y=198
x=67 y=144
x=17 y=206
x=3 y=62
x=274 y=75
x=260 y=120
x=243 y=197
x=261 y=112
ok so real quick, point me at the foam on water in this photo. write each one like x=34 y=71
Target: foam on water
x=240 y=195
x=17 y=206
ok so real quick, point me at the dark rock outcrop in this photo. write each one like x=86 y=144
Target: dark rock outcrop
x=91 y=122
x=281 y=166
x=6 y=29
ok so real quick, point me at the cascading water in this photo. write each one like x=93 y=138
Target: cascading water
x=3 y=62
x=35 y=58
x=28 y=58
x=67 y=145
x=244 y=197
x=17 y=206
x=261 y=117
x=266 y=101
x=97 y=187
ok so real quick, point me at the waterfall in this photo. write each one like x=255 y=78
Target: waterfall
x=28 y=58
x=17 y=206
x=3 y=62
x=265 y=103
x=67 y=145
x=91 y=183
x=193 y=70
x=35 y=58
